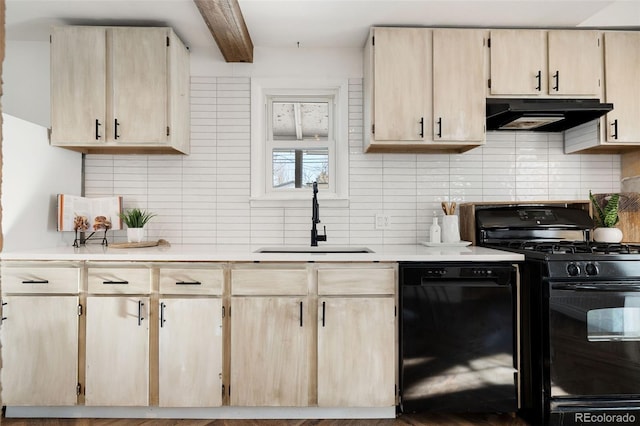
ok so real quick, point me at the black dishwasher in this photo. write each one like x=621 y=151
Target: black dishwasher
x=457 y=337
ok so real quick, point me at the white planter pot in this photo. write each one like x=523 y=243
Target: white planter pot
x=607 y=235
x=135 y=235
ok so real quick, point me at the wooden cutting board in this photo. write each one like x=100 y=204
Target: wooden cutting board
x=629 y=213
x=140 y=244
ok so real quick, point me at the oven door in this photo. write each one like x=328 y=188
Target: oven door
x=594 y=331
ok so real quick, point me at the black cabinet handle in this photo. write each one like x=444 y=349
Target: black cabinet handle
x=300 y=314
x=3 y=318
x=116 y=129
x=115 y=282
x=98 y=136
x=556 y=77
x=162 y=320
x=140 y=318
x=323 y=311
x=35 y=282
x=439 y=123
x=422 y=127
x=615 y=129
x=539 y=79
x=188 y=283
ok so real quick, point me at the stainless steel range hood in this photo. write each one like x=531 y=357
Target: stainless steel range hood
x=542 y=115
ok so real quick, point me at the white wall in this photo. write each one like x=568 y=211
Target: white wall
x=33 y=173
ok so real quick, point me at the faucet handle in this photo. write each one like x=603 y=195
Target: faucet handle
x=324 y=236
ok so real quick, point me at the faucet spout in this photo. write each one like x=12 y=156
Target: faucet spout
x=315 y=218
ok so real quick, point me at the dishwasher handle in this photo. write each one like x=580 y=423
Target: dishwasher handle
x=462 y=282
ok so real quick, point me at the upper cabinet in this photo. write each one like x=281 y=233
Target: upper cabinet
x=564 y=63
x=619 y=130
x=622 y=86
x=424 y=90
x=119 y=90
x=458 y=85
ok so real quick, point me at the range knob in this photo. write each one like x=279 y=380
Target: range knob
x=591 y=269
x=573 y=269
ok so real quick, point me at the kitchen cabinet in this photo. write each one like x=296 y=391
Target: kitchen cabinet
x=117 y=335
x=190 y=336
x=356 y=336
x=458 y=86
x=119 y=90
x=546 y=63
x=419 y=90
x=270 y=336
x=40 y=330
x=622 y=86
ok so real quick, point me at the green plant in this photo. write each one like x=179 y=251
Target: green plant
x=608 y=216
x=135 y=218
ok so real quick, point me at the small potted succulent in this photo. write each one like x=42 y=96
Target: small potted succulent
x=605 y=219
x=135 y=219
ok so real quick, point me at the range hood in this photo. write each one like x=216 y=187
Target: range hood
x=542 y=115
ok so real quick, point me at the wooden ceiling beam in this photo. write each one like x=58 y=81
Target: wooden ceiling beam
x=226 y=23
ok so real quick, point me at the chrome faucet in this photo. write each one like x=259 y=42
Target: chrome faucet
x=315 y=218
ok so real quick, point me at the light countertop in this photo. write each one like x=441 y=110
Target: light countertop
x=246 y=253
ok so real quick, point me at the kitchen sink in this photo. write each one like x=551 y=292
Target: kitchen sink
x=318 y=249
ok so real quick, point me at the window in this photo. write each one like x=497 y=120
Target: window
x=299 y=136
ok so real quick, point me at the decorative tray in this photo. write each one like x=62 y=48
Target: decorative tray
x=140 y=244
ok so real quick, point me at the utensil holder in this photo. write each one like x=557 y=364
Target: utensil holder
x=450 y=229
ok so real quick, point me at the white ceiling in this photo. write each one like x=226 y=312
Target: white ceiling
x=316 y=23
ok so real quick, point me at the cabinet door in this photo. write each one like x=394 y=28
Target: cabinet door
x=402 y=74
x=190 y=371
x=117 y=354
x=139 y=85
x=518 y=62
x=78 y=85
x=458 y=85
x=269 y=351
x=40 y=350
x=575 y=63
x=622 y=85
x=356 y=352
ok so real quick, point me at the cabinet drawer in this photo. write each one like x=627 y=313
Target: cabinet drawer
x=253 y=282
x=119 y=280
x=356 y=281
x=40 y=280
x=191 y=281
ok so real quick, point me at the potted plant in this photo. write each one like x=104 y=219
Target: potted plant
x=606 y=218
x=135 y=219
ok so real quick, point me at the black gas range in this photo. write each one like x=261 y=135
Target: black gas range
x=580 y=315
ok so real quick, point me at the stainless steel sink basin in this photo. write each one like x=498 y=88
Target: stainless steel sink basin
x=318 y=249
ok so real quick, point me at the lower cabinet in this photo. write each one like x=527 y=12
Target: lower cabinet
x=40 y=350
x=190 y=335
x=196 y=334
x=117 y=351
x=356 y=336
x=269 y=337
x=356 y=354
x=39 y=333
x=117 y=334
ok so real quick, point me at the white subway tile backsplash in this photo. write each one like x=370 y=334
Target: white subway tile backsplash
x=203 y=198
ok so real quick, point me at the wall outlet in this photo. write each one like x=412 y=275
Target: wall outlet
x=383 y=221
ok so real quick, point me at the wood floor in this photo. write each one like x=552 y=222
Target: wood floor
x=404 y=420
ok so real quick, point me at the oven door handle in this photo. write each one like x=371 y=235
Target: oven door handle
x=596 y=287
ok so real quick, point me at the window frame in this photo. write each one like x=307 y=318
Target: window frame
x=264 y=90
